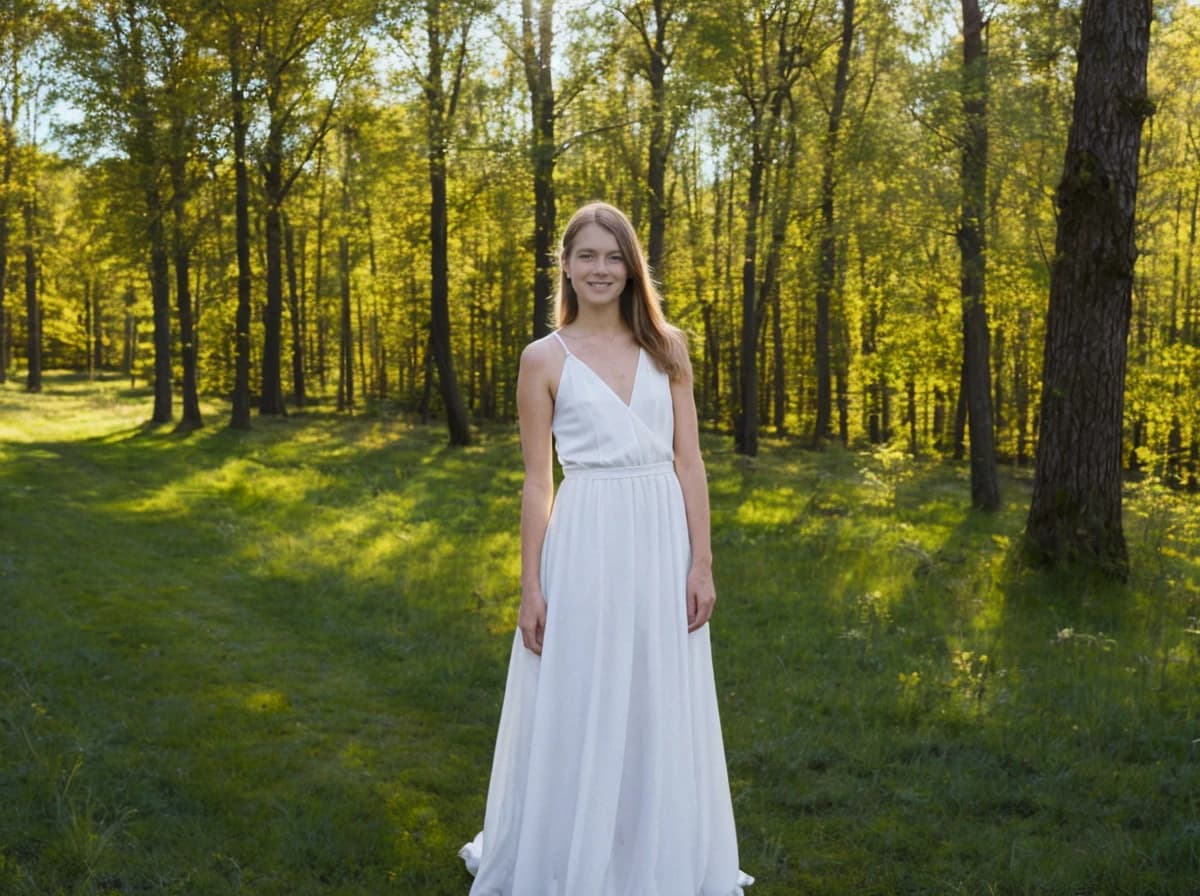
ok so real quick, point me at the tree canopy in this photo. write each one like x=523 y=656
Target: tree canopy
x=795 y=168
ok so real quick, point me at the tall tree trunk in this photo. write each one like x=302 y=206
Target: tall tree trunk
x=97 y=331
x=88 y=313
x=372 y=376
x=1188 y=329
x=1075 y=514
x=778 y=378
x=439 y=293
x=537 y=49
x=160 y=301
x=129 y=349
x=318 y=272
x=662 y=136
x=712 y=364
x=746 y=435
x=240 y=418
x=345 y=401
x=972 y=243
x=296 y=305
x=781 y=216
x=33 y=311
x=4 y=324
x=191 y=418
x=440 y=109
x=10 y=147
x=1021 y=396
x=827 y=251
x=960 y=414
x=270 y=399
x=910 y=415
x=999 y=398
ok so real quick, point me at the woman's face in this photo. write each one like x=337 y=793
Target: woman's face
x=595 y=266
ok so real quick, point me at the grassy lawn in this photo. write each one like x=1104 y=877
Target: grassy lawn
x=272 y=663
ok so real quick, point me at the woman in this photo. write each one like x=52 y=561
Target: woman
x=609 y=773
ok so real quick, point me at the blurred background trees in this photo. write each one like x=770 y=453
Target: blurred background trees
x=795 y=167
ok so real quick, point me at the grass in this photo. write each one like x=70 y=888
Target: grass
x=272 y=663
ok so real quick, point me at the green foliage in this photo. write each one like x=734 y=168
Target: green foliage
x=895 y=308
x=272 y=662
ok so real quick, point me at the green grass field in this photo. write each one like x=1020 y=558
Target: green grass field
x=272 y=663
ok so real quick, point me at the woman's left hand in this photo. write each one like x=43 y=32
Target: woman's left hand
x=701 y=595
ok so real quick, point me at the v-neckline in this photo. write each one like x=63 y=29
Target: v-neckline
x=637 y=375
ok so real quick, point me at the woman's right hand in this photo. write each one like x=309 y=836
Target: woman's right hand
x=531 y=620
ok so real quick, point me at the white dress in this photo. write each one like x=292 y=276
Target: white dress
x=609 y=773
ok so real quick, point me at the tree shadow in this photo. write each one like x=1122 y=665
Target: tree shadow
x=293 y=651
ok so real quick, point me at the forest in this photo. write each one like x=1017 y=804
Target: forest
x=267 y=268
x=359 y=201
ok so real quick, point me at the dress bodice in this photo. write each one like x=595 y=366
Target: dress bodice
x=593 y=427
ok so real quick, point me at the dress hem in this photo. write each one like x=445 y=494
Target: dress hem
x=472 y=855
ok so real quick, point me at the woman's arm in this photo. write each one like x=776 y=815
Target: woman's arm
x=689 y=467
x=535 y=409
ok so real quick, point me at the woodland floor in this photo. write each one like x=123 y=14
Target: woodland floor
x=272 y=663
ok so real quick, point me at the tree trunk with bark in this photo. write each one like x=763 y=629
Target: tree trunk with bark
x=270 y=400
x=972 y=244
x=827 y=251
x=746 y=434
x=33 y=311
x=191 y=418
x=240 y=418
x=345 y=400
x=9 y=136
x=1075 y=514
x=662 y=130
x=296 y=306
x=440 y=108
x=160 y=302
x=97 y=331
x=318 y=281
x=537 y=33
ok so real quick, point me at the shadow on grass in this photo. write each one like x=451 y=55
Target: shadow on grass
x=931 y=717
x=272 y=662
x=278 y=662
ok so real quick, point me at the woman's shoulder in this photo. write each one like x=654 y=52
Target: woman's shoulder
x=542 y=351
x=543 y=358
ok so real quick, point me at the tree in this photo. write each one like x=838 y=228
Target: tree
x=22 y=23
x=14 y=38
x=447 y=31
x=239 y=126
x=658 y=25
x=345 y=394
x=117 y=52
x=189 y=106
x=1075 y=514
x=766 y=52
x=827 y=251
x=972 y=243
x=33 y=311
x=537 y=47
x=299 y=46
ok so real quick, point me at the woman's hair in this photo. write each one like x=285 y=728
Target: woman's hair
x=641 y=303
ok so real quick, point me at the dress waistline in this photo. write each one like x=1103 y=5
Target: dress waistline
x=574 y=472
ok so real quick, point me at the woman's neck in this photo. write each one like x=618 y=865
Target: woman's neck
x=605 y=323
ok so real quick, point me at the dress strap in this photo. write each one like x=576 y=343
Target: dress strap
x=561 y=342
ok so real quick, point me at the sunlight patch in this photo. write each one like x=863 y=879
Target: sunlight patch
x=266 y=701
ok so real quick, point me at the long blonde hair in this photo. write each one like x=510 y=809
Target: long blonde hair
x=641 y=302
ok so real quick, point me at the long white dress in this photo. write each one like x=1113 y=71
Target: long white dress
x=609 y=773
